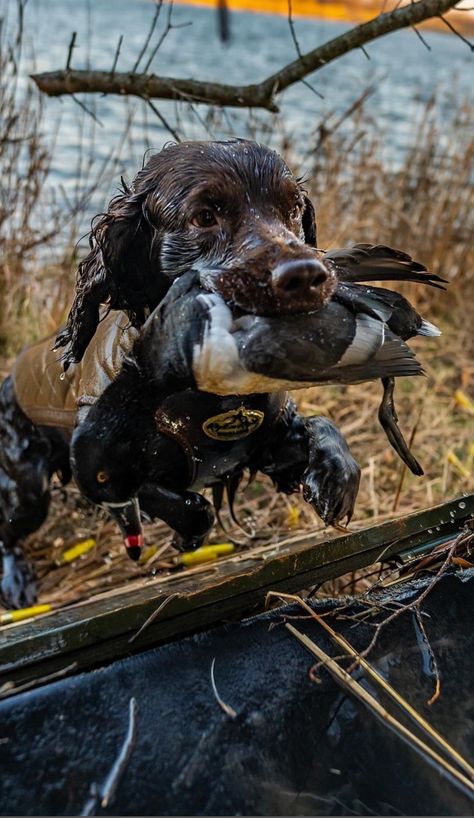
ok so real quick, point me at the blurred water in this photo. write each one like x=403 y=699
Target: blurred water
x=405 y=72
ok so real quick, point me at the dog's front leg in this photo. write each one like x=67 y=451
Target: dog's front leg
x=189 y=514
x=312 y=453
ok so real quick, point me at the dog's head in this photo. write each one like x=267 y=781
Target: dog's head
x=231 y=210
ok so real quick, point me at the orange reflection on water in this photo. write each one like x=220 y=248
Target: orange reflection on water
x=357 y=11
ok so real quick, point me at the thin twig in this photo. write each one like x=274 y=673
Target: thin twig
x=421 y=38
x=312 y=88
x=228 y=710
x=72 y=45
x=430 y=650
x=91 y=803
x=418 y=601
x=163 y=121
x=397 y=697
x=153 y=616
x=327 y=132
x=348 y=683
x=154 y=21
x=456 y=32
x=108 y=789
x=117 y=53
x=291 y=24
x=9 y=688
x=161 y=40
x=87 y=110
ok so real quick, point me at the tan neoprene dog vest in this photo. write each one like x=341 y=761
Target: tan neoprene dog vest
x=51 y=397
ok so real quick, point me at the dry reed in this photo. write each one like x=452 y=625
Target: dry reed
x=425 y=206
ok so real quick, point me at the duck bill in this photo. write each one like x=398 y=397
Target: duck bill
x=127 y=517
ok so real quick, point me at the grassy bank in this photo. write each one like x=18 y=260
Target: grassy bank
x=425 y=207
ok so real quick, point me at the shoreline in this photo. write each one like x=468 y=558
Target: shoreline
x=344 y=11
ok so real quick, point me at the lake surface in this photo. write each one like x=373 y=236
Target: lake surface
x=405 y=73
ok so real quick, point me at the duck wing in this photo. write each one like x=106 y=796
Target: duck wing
x=194 y=339
x=392 y=308
x=333 y=345
x=376 y=262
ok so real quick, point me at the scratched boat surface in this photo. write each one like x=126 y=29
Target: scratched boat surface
x=90 y=634
x=283 y=746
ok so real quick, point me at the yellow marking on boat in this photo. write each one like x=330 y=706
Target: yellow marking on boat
x=24 y=613
x=76 y=551
x=207 y=553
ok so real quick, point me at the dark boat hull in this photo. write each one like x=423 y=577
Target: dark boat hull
x=293 y=748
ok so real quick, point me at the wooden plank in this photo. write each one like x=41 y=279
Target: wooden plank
x=100 y=630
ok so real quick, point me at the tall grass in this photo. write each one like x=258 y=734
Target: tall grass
x=39 y=222
x=28 y=224
x=424 y=206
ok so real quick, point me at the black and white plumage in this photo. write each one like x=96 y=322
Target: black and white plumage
x=358 y=335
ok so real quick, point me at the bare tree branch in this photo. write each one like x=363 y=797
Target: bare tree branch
x=156 y=16
x=291 y=24
x=258 y=95
x=117 y=54
x=72 y=46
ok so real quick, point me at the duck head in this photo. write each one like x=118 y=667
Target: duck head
x=109 y=475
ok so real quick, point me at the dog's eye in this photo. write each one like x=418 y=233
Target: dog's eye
x=101 y=477
x=205 y=218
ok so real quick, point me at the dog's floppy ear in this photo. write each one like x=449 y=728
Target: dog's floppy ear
x=119 y=271
x=309 y=223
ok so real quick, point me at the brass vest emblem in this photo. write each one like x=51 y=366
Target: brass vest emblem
x=233 y=425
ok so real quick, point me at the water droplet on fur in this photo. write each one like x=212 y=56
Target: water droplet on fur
x=62 y=376
x=462 y=504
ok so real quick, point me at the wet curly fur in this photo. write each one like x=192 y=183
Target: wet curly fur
x=146 y=238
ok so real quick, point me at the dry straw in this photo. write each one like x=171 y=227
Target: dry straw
x=390 y=721
x=425 y=206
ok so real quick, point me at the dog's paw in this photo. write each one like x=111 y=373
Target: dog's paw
x=331 y=486
x=18 y=585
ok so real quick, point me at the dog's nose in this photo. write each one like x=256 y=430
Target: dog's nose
x=299 y=279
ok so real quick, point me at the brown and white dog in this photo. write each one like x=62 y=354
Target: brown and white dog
x=234 y=214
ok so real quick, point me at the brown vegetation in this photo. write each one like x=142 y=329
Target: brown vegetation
x=425 y=206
